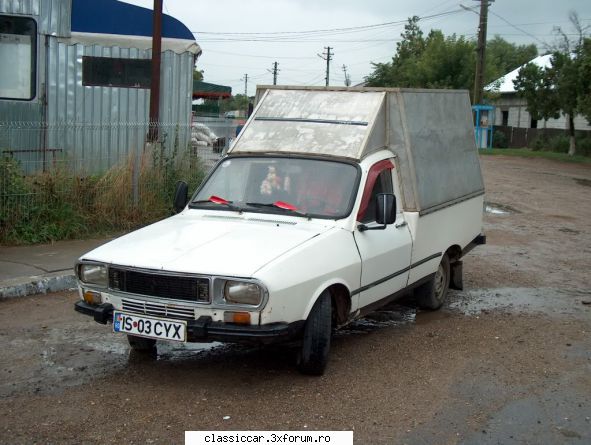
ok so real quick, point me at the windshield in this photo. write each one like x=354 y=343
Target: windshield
x=316 y=188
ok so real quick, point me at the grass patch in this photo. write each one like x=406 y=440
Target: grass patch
x=528 y=153
x=59 y=205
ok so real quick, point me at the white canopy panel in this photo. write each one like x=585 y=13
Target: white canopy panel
x=309 y=122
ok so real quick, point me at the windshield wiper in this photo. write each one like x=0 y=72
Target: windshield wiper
x=280 y=205
x=220 y=201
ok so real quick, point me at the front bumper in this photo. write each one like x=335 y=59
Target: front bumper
x=204 y=329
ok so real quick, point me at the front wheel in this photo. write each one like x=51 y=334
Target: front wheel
x=432 y=294
x=313 y=354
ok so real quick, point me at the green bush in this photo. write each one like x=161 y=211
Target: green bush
x=500 y=139
x=561 y=143
x=539 y=143
x=58 y=205
x=584 y=146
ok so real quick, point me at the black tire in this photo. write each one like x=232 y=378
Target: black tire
x=432 y=294
x=313 y=354
x=141 y=344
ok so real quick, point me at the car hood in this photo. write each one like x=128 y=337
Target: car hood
x=209 y=243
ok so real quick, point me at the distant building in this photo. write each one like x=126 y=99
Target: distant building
x=75 y=80
x=511 y=110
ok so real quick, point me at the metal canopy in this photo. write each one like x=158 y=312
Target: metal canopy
x=430 y=132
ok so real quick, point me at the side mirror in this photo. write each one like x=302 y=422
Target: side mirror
x=180 y=196
x=385 y=208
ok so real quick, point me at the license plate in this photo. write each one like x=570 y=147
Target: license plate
x=150 y=327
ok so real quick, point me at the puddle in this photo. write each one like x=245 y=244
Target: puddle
x=426 y=317
x=584 y=182
x=180 y=351
x=498 y=209
x=395 y=315
x=546 y=301
x=567 y=230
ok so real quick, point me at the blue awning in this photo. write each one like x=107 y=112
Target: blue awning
x=115 y=17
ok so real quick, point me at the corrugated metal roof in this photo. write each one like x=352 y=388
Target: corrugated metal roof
x=505 y=83
x=205 y=90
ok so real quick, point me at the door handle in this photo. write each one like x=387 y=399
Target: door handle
x=402 y=224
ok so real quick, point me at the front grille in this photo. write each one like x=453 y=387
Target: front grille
x=158 y=285
x=158 y=310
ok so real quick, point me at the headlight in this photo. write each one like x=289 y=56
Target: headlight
x=93 y=274
x=240 y=292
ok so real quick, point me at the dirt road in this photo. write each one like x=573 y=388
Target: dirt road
x=507 y=361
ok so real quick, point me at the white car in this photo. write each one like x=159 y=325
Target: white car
x=330 y=204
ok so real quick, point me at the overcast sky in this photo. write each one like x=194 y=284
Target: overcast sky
x=228 y=57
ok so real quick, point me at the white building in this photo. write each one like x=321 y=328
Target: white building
x=511 y=110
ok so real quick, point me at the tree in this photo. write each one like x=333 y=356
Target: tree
x=408 y=50
x=533 y=84
x=198 y=75
x=562 y=87
x=446 y=62
x=432 y=62
x=585 y=85
x=237 y=102
x=564 y=75
x=439 y=61
x=503 y=57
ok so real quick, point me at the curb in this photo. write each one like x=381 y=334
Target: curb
x=42 y=284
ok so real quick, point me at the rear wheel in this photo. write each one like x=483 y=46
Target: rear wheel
x=313 y=354
x=432 y=294
x=141 y=344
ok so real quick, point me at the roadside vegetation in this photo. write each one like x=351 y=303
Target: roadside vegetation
x=565 y=86
x=530 y=153
x=58 y=205
x=439 y=61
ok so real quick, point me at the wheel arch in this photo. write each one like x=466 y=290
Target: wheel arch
x=340 y=297
x=454 y=253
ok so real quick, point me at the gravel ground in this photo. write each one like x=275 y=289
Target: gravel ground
x=506 y=361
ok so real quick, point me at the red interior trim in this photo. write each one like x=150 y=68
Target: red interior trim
x=372 y=175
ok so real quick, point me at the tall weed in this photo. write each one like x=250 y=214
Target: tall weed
x=58 y=205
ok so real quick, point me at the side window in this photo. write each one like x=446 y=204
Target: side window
x=383 y=184
x=113 y=72
x=18 y=53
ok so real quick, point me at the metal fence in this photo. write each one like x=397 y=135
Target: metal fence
x=516 y=137
x=105 y=171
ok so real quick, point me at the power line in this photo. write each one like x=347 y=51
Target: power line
x=518 y=29
x=277 y=35
x=259 y=56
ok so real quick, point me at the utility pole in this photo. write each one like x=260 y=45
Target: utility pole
x=246 y=93
x=347 y=78
x=155 y=80
x=328 y=57
x=245 y=85
x=481 y=49
x=274 y=71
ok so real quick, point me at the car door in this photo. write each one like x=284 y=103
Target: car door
x=385 y=254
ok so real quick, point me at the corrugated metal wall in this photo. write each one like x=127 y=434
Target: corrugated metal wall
x=100 y=126
x=89 y=128
x=53 y=16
